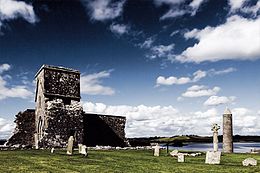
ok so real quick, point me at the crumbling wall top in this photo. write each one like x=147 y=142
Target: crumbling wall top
x=56 y=68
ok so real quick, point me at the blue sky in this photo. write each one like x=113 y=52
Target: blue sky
x=170 y=66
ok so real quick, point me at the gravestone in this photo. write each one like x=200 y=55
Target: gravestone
x=157 y=150
x=84 y=150
x=213 y=157
x=80 y=148
x=249 y=162
x=181 y=158
x=70 y=145
x=52 y=150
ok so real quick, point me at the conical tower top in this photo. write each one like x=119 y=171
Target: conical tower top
x=227 y=111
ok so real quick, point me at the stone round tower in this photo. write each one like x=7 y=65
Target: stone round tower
x=227 y=132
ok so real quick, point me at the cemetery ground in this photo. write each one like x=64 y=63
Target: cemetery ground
x=116 y=161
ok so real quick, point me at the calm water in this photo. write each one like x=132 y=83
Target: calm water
x=239 y=147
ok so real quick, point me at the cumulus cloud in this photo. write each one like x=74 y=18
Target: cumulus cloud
x=219 y=100
x=239 y=41
x=119 y=29
x=200 y=91
x=12 y=9
x=158 y=120
x=179 y=7
x=19 y=91
x=197 y=76
x=245 y=121
x=102 y=10
x=92 y=84
x=6 y=128
x=172 y=80
x=143 y=120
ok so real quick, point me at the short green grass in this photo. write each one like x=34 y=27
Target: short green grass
x=116 y=161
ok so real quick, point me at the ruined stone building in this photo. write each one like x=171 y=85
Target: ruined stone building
x=58 y=114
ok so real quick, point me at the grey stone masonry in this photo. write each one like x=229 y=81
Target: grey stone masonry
x=227 y=132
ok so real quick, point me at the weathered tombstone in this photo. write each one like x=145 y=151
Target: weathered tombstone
x=84 y=150
x=70 y=145
x=174 y=153
x=80 y=148
x=52 y=150
x=157 y=150
x=249 y=162
x=213 y=157
x=181 y=158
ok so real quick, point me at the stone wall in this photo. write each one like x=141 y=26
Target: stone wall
x=104 y=130
x=23 y=135
x=62 y=121
x=61 y=83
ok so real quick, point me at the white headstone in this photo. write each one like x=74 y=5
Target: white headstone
x=157 y=150
x=84 y=150
x=181 y=158
x=70 y=145
x=80 y=148
x=249 y=162
x=213 y=157
x=52 y=150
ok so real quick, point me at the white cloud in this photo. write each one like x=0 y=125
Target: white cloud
x=119 y=29
x=236 y=4
x=195 y=4
x=160 y=51
x=4 y=67
x=200 y=91
x=147 y=43
x=219 y=100
x=179 y=7
x=172 y=80
x=245 y=121
x=157 y=120
x=19 y=91
x=252 y=10
x=182 y=80
x=12 y=9
x=102 y=10
x=6 y=128
x=214 y=72
x=172 y=13
x=239 y=41
x=92 y=84
x=197 y=76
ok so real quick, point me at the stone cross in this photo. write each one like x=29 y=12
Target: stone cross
x=215 y=128
x=70 y=145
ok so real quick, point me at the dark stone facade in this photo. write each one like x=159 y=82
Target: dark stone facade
x=104 y=130
x=59 y=114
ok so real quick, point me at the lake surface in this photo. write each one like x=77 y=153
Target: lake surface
x=239 y=147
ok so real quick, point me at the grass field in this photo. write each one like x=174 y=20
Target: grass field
x=116 y=161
